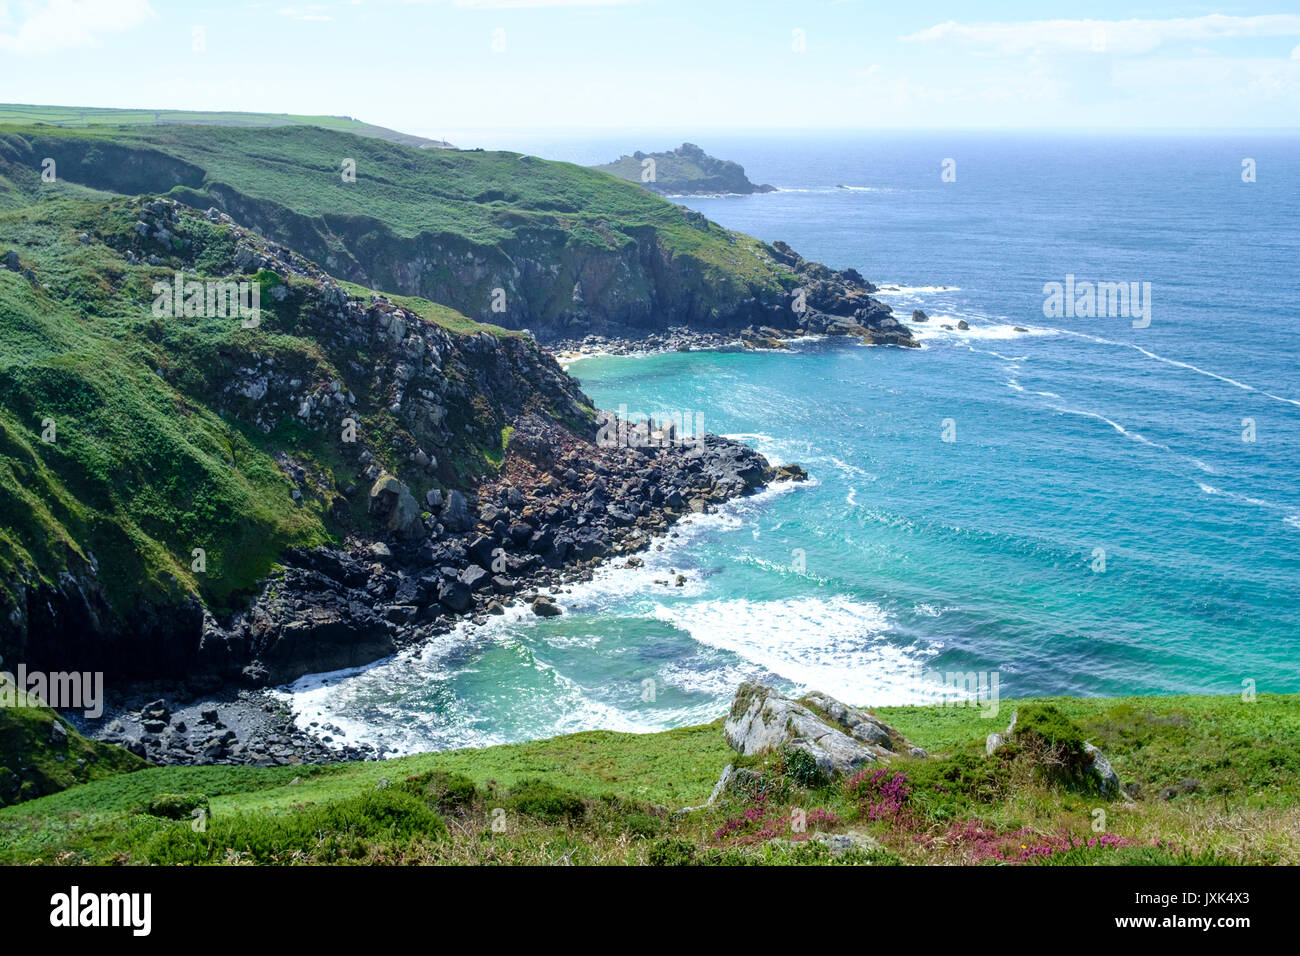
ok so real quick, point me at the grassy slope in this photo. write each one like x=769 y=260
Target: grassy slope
x=485 y=197
x=1244 y=755
x=98 y=116
x=141 y=470
x=34 y=762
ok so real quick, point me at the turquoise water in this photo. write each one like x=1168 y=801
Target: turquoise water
x=1098 y=525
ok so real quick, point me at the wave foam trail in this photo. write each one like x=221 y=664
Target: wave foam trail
x=1185 y=365
x=834 y=644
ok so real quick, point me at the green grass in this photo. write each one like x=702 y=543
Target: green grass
x=604 y=797
x=34 y=761
x=438 y=208
x=17 y=113
x=148 y=461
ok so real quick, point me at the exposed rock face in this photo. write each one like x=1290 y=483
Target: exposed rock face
x=840 y=738
x=392 y=503
x=686 y=170
x=561 y=505
x=839 y=302
x=562 y=501
x=555 y=286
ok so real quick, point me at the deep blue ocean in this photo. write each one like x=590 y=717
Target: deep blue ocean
x=1118 y=511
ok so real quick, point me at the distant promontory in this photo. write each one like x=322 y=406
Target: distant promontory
x=686 y=170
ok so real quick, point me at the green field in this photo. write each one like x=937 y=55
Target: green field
x=21 y=114
x=600 y=797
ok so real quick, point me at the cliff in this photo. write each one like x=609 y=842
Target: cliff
x=500 y=237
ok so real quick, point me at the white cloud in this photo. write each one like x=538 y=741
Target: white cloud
x=46 y=26
x=1295 y=54
x=519 y=4
x=1111 y=36
x=313 y=12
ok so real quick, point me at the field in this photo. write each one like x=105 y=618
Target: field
x=1216 y=783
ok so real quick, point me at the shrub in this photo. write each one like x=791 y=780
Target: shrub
x=801 y=767
x=880 y=795
x=177 y=806
x=541 y=798
x=448 y=791
x=671 y=851
x=1048 y=741
x=624 y=816
x=346 y=829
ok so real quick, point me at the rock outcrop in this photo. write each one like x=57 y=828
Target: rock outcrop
x=841 y=739
x=685 y=171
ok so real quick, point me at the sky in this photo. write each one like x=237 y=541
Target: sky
x=434 y=66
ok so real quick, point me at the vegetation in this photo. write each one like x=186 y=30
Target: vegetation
x=99 y=116
x=609 y=798
x=41 y=753
x=119 y=448
x=468 y=219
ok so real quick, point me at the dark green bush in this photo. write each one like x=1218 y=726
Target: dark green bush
x=543 y=799
x=177 y=806
x=801 y=768
x=671 y=851
x=448 y=791
x=1047 y=739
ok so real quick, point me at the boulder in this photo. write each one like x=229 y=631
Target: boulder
x=857 y=723
x=455 y=595
x=545 y=607
x=919 y=316
x=455 y=512
x=392 y=503
x=1108 y=779
x=762 y=720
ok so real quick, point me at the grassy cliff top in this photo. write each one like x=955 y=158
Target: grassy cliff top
x=21 y=113
x=1217 y=777
x=484 y=197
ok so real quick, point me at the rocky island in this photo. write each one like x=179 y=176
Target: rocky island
x=684 y=171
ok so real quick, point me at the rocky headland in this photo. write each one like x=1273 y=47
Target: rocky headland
x=685 y=171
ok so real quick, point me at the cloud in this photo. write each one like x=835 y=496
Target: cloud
x=314 y=12
x=520 y=4
x=1111 y=36
x=1295 y=54
x=47 y=26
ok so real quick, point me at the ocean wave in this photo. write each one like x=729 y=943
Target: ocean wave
x=925 y=331
x=836 y=644
x=1184 y=365
x=1135 y=436
x=893 y=289
x=1291 y=518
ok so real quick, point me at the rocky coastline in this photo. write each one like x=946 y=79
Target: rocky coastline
x=561 y=507
x=834 y=303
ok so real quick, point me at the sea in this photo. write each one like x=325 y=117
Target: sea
x=1062 y=502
